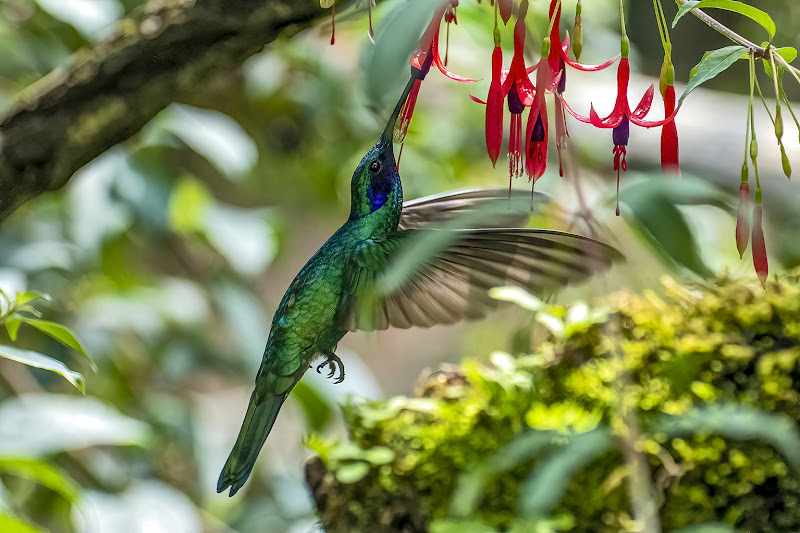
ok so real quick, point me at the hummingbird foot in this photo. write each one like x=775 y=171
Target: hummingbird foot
x=334 y=364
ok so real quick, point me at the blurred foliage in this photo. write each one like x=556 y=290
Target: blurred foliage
x=167 y=255
x=534 y=442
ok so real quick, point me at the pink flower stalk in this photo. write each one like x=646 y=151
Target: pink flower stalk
x=759 y=248
x=743 y=219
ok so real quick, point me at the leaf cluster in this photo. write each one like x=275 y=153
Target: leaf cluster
x=702 y=384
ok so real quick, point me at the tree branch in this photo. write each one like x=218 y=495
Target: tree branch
x=109 y=91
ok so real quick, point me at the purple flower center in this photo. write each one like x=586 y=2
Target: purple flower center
x=621 y=133
x=515 y=105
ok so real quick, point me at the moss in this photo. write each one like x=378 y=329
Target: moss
x=721 y=344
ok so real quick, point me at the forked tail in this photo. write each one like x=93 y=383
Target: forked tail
x=257 y=424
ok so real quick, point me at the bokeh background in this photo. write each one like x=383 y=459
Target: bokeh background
x=168 y=254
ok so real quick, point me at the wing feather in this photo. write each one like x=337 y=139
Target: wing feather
x=453 y=283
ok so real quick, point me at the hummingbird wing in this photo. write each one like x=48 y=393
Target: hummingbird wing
x=491 y=205
x=388 y=285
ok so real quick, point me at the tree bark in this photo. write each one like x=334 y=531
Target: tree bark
x=110 y=90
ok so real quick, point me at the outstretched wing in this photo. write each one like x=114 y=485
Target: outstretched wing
x=494 y=207
x=452 y=284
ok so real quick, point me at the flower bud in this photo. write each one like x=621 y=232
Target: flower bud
x=778 y=122
x=787 y=168
x=759 y=249
x=753 y=149
x=577 y=33
x=742 y=219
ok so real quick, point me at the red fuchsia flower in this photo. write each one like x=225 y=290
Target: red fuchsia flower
x=759 y=249
x=494 y=108
x=743 y=219
x=622 y=115
x=505 y=7
x=426 y=54
x=557 y=57
x=521 y=93
x=669 y=136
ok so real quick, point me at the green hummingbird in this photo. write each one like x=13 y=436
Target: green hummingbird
x=339 y=288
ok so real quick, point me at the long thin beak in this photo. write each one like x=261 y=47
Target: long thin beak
x=388 y=133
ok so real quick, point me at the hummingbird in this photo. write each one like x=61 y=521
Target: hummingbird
x=340 y=288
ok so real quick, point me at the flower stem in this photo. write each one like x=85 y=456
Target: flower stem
x=622 y=18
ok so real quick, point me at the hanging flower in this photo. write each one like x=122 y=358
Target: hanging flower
x=742 y=219
x=669 y=136
x=557 y=58
x=621 y=116
x=759 y=248
x=494 y=108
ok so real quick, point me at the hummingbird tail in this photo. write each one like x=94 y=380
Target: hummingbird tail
x=261 y=415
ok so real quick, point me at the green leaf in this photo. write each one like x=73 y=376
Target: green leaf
x=188 y=204
x=546 y=485
x=472 y=484
x=9 y=524
x=713 y=63
x=12 y=325
x=754 y=14
x=53 y=478
x=38 y=360
x=737 y=422
x=60 y=333
x=24 y=297
x=650 y=209
x=788 y=53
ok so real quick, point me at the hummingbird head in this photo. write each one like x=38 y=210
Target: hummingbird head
x=376 y=181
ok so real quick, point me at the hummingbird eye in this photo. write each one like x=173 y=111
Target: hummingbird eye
x=375 y=166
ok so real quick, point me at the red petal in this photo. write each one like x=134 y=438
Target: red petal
x=611 y=121
x=427 y=39
x=759 y=249
x=494 y=108
x=743 y=219
x=669 y=136
x=438 y=60
x=644 y=104
x=578 y=116
x=581 y=66
x=654 y=123
x=476 y=99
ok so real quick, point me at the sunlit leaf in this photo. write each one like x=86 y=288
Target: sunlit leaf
x=10 y=524
x=188 y=204
x=38 y=360
x=22 y=298
x=51 y=477
x=41 y=424
x=713 y=63
x=748 y=11
x=546 y=485
x=737 y=422
x=12 y=325
x=60 y=333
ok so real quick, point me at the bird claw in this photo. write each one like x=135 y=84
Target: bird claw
x=333 y=363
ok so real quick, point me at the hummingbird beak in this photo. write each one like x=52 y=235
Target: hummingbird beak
x=388 y=133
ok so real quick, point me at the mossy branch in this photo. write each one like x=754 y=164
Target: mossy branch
x=164 y=51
